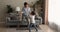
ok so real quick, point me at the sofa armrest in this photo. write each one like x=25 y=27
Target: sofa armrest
x=39 y=18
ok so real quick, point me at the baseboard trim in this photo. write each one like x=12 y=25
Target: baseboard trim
x=53 y=26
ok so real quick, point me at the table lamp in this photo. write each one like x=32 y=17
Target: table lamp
x=17 y=9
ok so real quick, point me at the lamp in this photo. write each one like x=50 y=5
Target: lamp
x=17 y=9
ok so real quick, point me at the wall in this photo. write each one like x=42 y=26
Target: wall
x=54 y=13
x=13 y=3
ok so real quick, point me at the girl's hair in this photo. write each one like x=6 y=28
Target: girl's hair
x=33 y=13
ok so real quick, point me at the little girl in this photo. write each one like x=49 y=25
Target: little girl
x=32 y=21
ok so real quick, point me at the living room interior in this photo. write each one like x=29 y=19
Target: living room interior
x=46 y=20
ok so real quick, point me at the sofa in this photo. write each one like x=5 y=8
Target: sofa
x=14 y=21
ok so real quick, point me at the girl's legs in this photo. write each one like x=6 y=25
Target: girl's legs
x=35 y=28
x=30 y=26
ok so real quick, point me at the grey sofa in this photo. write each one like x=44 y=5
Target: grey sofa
x=15 y=21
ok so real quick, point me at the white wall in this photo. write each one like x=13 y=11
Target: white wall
x=54 y=11
x=13 y=3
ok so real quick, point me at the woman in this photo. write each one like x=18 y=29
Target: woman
x=26 y=11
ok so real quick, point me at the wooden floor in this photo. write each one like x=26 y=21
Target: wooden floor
x=44 y=28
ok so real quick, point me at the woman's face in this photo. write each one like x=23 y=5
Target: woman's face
x=26 y=5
